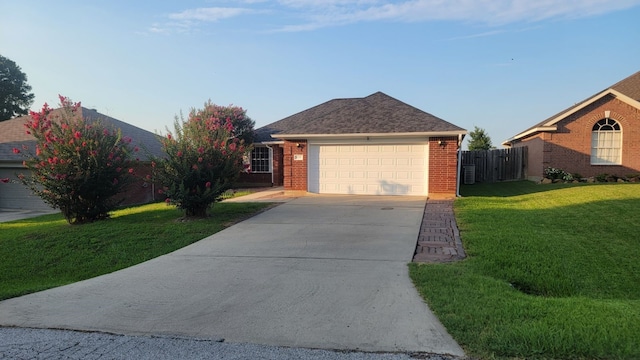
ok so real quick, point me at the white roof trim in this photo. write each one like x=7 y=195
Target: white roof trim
x=529 y=132
x=386 y=135
x=550 y=125
x=620 y=96
x=275 y=142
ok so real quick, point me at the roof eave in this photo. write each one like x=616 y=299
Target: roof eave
x=371 y=135
x=618 y=95
x=529 y=132
x=550 y=125
x=272 y=142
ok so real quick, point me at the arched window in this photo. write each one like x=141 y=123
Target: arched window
x=606 y=143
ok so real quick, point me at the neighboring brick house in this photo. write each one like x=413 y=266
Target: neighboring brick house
x=600 y=135
x=14 y=195
x=375 y=145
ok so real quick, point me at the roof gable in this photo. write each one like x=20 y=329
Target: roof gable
x=377 y=113
x=13 y=135
x=626 y=90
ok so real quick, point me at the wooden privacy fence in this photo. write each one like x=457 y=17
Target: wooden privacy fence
x=494 y=165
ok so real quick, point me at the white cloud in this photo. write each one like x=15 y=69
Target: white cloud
x=324 y=13
x=209 y=14
x=316 y=14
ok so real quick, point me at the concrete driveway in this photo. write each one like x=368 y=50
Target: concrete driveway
x=319 y=271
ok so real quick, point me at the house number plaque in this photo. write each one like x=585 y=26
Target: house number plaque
x=298 y=157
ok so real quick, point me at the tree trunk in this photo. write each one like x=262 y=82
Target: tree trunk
x=198 y=211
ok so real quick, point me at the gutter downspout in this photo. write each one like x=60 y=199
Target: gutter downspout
x=459 y=165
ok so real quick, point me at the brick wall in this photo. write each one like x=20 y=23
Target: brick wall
x=140 y=191
x=278 y=165
x=443 y=165
x=266 y=179
x=295 y=172
x=569 y=148
x=253 y=180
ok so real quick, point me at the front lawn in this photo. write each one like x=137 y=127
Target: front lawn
x=45 y=252
x=553 y=272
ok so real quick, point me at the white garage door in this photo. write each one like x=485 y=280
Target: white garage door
x=368 y=169
x=14 y=195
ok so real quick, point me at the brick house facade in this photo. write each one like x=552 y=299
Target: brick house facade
x=600 y=135
x=374 y=145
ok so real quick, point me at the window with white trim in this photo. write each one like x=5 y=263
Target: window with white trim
x=606 y=143
x=260 y=160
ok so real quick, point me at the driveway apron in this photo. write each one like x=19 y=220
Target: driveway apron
x=318 y=271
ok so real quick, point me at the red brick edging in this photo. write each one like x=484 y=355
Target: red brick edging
x=439 y=238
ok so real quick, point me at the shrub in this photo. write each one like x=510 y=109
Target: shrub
x=76 y=166
x=203 y=160
x=553 y=174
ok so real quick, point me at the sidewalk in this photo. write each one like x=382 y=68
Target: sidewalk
x=272 y=194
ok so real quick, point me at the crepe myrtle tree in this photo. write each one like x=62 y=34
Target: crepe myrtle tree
x=204 y=158
x=76 y=166
x=242 y=124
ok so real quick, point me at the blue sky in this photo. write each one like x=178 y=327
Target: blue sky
x=500 y=65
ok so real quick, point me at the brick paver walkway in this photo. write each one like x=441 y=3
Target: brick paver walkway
x=439 y=239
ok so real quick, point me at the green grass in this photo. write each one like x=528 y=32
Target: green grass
x=553 y=272
x=45 y=251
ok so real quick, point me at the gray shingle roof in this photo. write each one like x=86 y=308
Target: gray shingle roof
x=13 y=135
x=377 y=113
x=629 y=86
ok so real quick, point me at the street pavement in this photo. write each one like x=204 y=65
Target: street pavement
x=20 y=343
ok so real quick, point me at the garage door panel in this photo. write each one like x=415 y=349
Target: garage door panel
x=14 y=195
x=371 y=169
x=404 y=162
